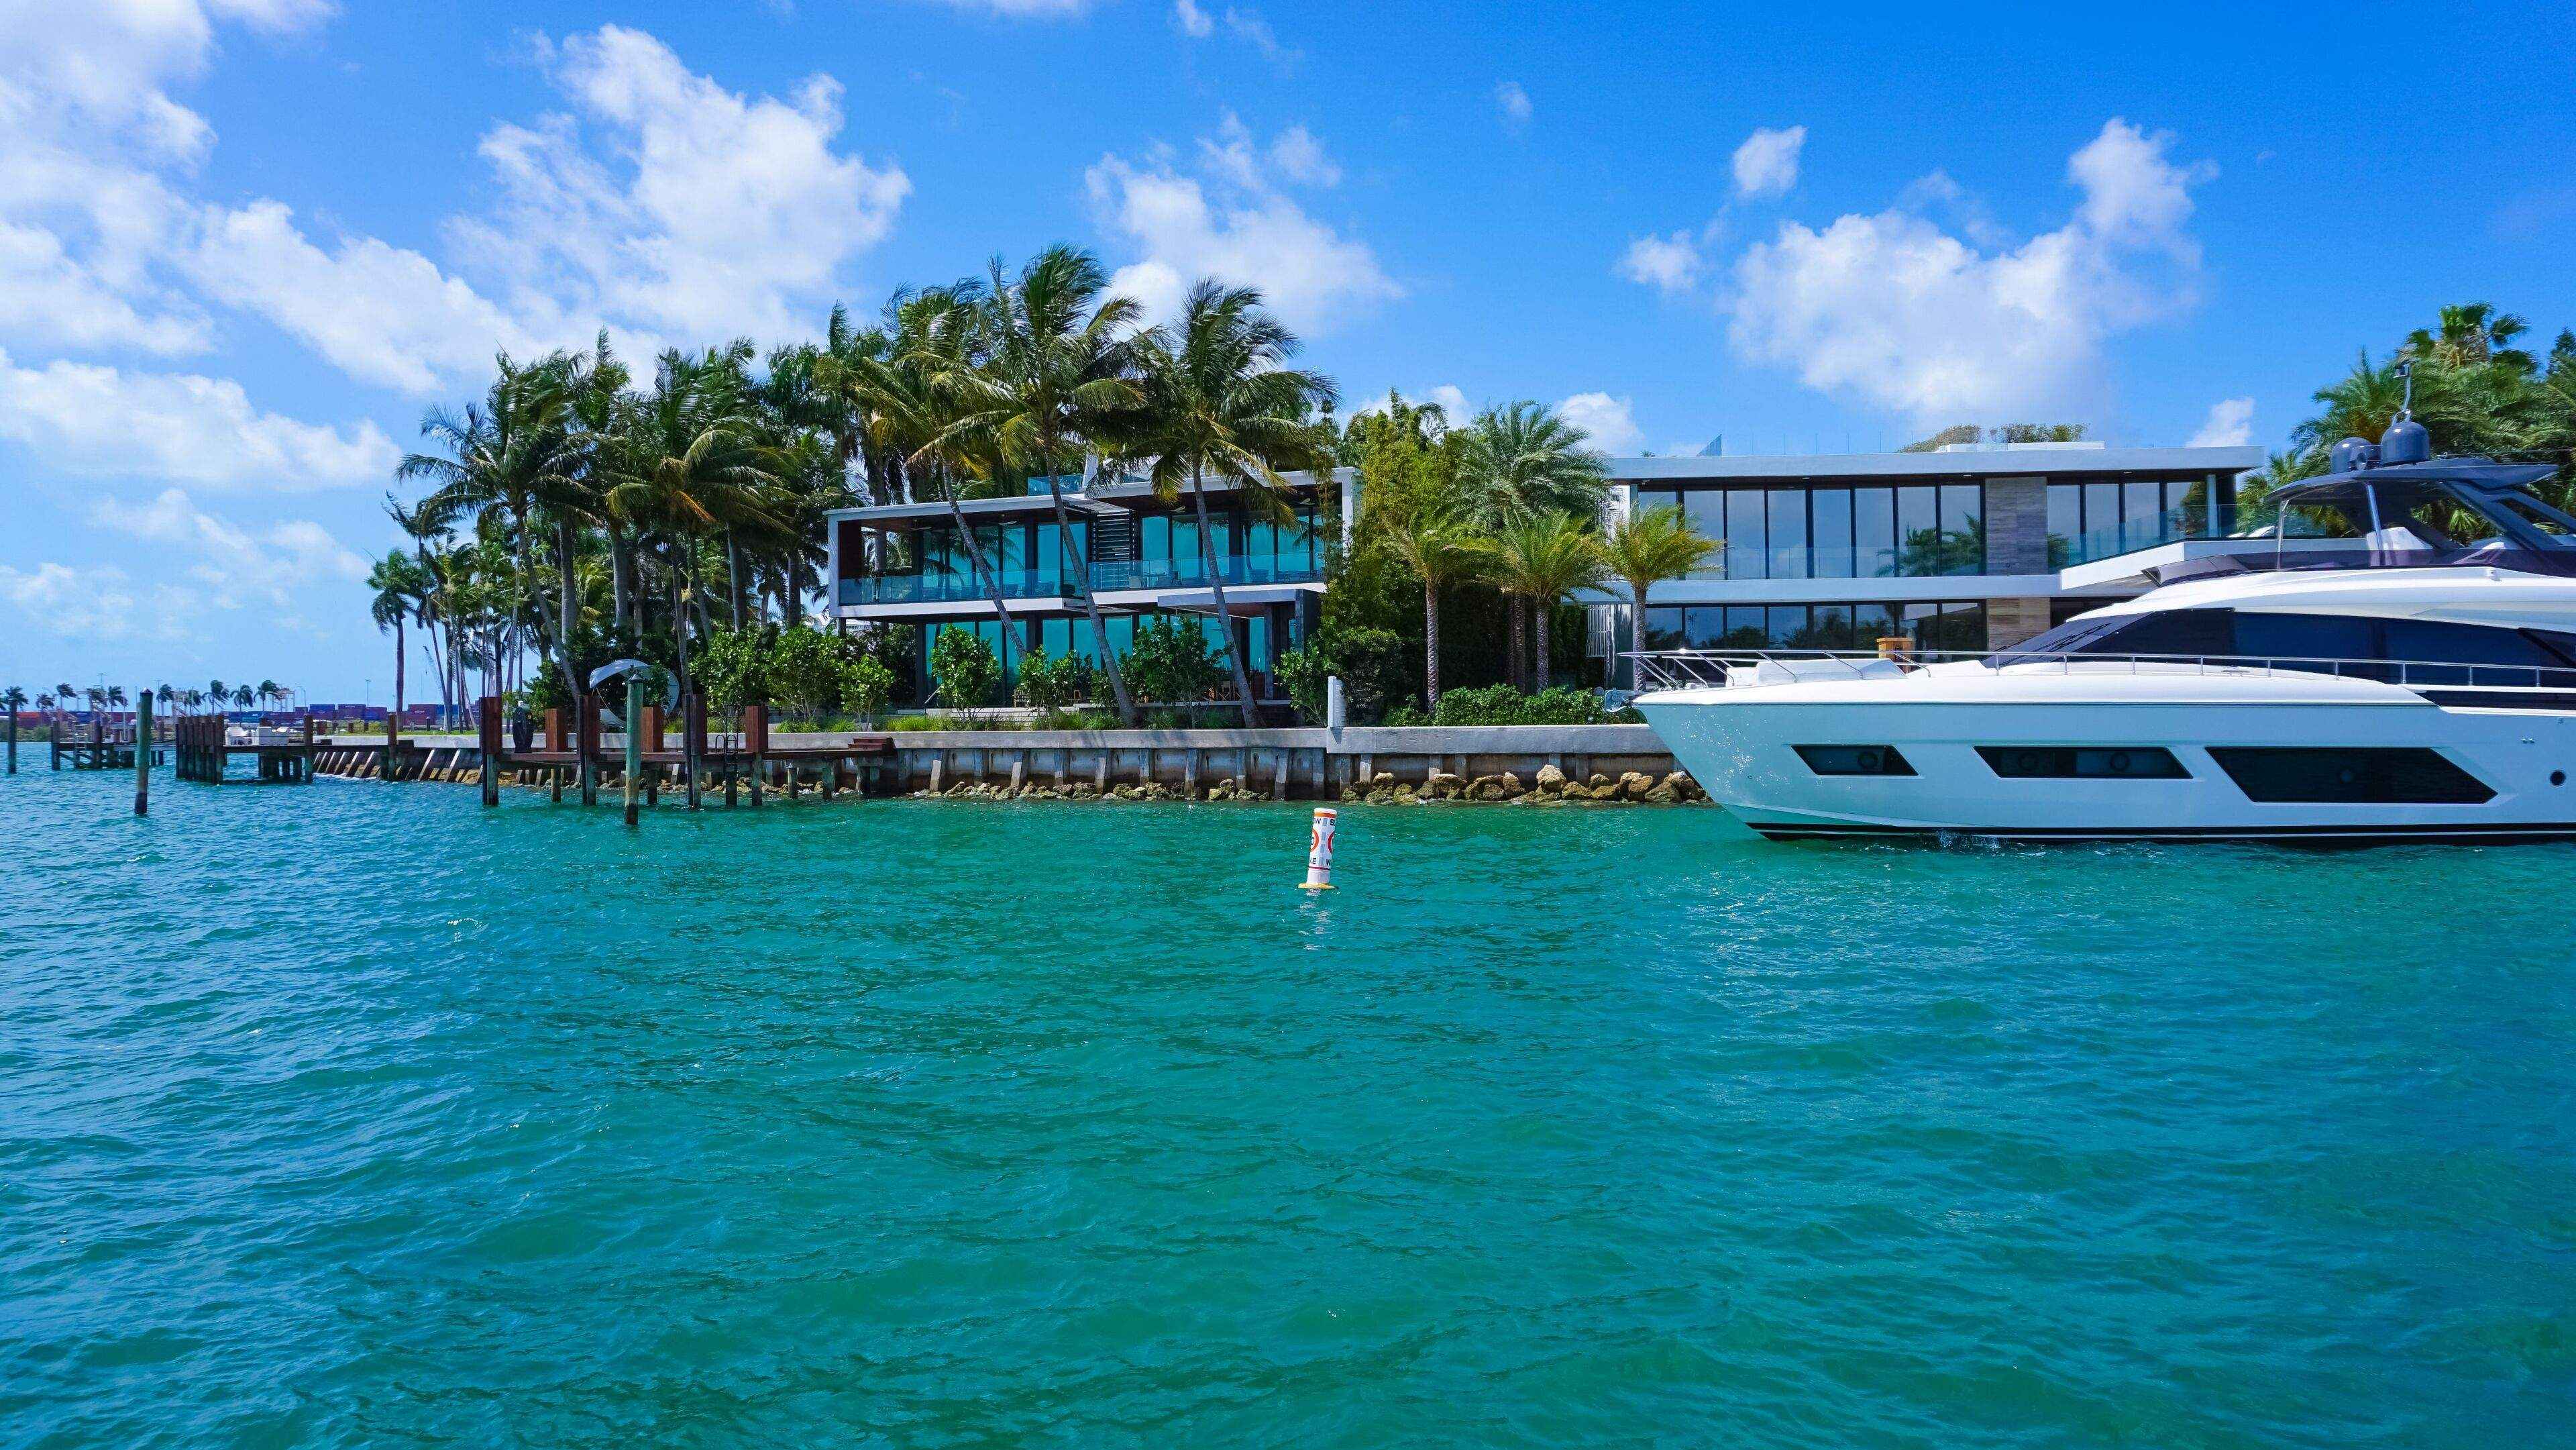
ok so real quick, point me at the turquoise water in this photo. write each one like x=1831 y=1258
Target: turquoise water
x=347 y=1114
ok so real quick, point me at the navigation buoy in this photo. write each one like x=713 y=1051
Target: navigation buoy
x=1319 y=856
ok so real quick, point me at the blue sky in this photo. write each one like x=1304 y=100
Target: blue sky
x=245 y=243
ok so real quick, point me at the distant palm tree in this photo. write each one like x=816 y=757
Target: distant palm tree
x=1221 y=399
x=270 y=695
x=218 y=692
x=1541 y=560
x=242 y=697
x=2471 y=334
x=1647 y=548
x=399 y=583
x=1442 y=549
x=168 y=697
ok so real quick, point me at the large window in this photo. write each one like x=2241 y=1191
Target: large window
x=2418 y=651
x=1877 y=532
x=1958 y=625
x=2097 y=520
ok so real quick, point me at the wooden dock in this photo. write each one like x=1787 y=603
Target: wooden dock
x=204 y=749
x=95 y=746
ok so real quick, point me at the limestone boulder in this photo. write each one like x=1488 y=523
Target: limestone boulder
x=1551 y=781
x=1683 y=787
x=1636 y=785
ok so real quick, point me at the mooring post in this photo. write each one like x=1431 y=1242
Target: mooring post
x=634 y=723
x=693 y=740
x=755 y=743
x=392 y=768
x=13 y=740
x=488 y=728
x=588 y=749
x=142 y=754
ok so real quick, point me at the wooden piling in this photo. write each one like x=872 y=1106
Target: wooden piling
x=488 y=719
x=755 y=743
x=589 y=749
x=142 y=749
x=693 y=740
x=634 y=722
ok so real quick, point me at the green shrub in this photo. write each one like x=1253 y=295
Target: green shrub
x=1503 y=705
x=1053 y=682
x=1170 y=662
x=866 y=684
x=962 y=663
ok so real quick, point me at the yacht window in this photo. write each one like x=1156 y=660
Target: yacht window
x=2307 y=641
x=2521 y=659
x=2536 y=516
x=2190 y=633
x=2116 y=762
x=2065 y=639
x=2348 y=776
x=1853 y=759
x=2439 y=521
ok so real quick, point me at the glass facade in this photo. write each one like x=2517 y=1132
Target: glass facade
x=1950 y=625
x=2088 y=521
x=1878 y=531
x=932 y=563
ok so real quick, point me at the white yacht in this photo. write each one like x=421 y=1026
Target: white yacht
x=2406 y=673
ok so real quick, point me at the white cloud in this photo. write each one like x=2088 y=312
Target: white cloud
x=1767 y=163
x=1513 y=102
x=1022 y=9
x=232 y=565
x=1611 y=422
x=714 y=215
x=2230 y=423
x=1451 y=400
x=1670 y=263
x=1899 y=312
x=101 y=421
x=89 y=602
x=1300 y=158
x=380 y=313
x=1249 y=27
x=1194 y=22
x=1234 y=221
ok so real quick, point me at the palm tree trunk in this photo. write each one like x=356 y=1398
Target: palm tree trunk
x=984 y=571
x=1431 y=645
x=1540 y=610
x=1080 y=570
x=1636 y=633
x=1516 y=644
x=733 y=579
x=618 y=569
x=571 y=611
x=1216 y=582
x=398 y=666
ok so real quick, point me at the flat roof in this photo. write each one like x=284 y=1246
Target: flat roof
x=1964 y=463
x=1112 y=499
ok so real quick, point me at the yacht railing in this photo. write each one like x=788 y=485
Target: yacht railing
x=1711 y=669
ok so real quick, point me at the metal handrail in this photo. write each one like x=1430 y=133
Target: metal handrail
x=1705 y=669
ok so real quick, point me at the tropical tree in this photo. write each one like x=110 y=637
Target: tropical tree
x=1221 y=402
x=1646 y=548
x=400 y=587
x=1442 y=548
x=1541 y=560
x=1063 y=362
x=1522 y=461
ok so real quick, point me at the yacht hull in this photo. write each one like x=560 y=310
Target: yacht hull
x=1958 y=736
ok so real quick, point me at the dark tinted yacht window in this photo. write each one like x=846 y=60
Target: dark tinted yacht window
x=2307 y=641
x=2325 y=643
x=2186 y=632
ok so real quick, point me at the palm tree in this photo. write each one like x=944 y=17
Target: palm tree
x=1442 y=549
x=1645 y=549
x=2473 y=334
x=1221 y=399
x=513 y=454
x=399 y=586
x=1524 y=460
x=13 y=700
x=271 y=694
x=1063 y=363
x=1542 y=559
x=217 y=692
x=168 y=697
x=64 y=695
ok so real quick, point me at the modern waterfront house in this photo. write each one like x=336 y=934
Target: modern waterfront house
x=906 y=565
x=1967 y=548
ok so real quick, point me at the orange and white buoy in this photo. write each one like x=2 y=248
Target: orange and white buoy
x=1319 y=855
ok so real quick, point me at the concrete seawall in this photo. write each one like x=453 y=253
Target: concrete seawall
x=1294 y=764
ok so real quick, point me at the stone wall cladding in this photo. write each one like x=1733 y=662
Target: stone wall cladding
x=2010 y=621
x=2017 y=526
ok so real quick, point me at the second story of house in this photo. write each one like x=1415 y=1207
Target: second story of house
x=1128 y=546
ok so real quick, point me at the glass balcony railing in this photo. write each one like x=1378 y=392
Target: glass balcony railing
x=949 y=588
x=1195 y=573
x=1050 y=584
x=2127 y=535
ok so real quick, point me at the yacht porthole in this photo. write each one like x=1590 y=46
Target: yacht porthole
x=2557 y=777
x=2119 y=762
